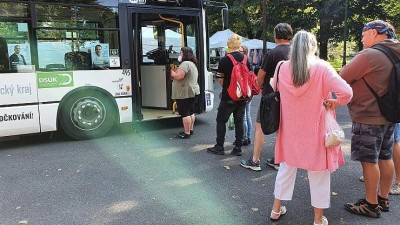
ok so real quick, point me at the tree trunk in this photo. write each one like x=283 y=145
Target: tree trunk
x=324 y=33
x=323 y=51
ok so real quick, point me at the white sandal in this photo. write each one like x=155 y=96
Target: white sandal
x=276 y=215
x=324 y=221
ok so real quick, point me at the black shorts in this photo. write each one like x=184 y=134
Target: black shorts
x=185 y=106
x=371 y=143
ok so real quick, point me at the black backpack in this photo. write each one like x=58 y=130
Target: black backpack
x=389 y=103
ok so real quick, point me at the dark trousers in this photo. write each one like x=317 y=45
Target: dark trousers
x=225 y=109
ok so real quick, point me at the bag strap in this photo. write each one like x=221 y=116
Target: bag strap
x=244 y=59
x=389 y=53
x=277 y=76
x=232 y=59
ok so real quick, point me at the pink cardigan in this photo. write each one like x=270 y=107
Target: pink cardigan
x=300 y=139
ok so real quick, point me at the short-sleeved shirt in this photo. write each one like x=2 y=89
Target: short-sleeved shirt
x=225 y=70
x=188 y=86
x=271 y=59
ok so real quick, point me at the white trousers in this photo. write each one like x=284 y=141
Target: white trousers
x=320 y=185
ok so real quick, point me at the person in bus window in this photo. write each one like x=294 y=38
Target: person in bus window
x=4 y=63
x=17 y=58
x=185 y=89
x=97 y=58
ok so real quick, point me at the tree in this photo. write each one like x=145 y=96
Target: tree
x=325 y=18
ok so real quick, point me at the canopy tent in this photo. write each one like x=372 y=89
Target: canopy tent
x=172 y=38
x=219 y=39
x=257 y=44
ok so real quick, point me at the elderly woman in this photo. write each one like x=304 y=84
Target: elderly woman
x=305 y=83
x=185 y=88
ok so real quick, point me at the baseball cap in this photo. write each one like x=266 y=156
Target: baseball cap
x=381 y=27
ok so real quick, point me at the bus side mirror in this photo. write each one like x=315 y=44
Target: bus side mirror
x=225 y=18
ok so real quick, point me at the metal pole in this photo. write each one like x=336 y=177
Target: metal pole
x=345 y=33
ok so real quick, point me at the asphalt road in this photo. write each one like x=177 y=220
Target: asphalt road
x=142 y=174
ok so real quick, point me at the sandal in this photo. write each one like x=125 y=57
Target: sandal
x=183 y=135
x=276 y=215
x=324 y=221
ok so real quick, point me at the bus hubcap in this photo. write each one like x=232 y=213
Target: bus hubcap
x=88 y=114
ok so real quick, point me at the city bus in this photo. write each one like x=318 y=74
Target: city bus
x=83 y=66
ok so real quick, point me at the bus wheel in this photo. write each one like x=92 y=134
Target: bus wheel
x=87 y=117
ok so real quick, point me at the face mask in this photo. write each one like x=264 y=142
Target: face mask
x=180 y=58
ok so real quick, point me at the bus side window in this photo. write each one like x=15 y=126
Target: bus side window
x=4 y=62
x=77 y=61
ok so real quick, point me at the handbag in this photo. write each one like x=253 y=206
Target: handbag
x=270 y=109
x=334 y=133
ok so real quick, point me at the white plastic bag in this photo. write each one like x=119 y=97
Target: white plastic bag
x=334 y=133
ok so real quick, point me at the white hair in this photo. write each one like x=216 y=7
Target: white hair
x=302 y=53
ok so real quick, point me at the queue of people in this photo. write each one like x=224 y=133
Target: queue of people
x=306 y=84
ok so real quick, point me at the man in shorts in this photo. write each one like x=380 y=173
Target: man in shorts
x=372 y=140
x=283 y=33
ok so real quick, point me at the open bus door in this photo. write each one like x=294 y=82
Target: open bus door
x=156 y=37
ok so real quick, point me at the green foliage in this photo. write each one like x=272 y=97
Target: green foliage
x=325 y=17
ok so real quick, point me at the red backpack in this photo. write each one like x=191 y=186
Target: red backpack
x=243 y=81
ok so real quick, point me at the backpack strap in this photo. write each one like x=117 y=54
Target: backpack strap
x=389 y=53
x=244 y=59
x=232 y=59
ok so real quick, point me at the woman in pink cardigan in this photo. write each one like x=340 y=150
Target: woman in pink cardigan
x=305 y=86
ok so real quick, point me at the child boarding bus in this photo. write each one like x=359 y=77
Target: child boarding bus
x=84 y=67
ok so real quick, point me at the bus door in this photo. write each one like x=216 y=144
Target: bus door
x=158 y=36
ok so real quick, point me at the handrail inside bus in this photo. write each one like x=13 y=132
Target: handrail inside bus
x=180 y=24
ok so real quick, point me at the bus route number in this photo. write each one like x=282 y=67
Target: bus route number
x=126 y=72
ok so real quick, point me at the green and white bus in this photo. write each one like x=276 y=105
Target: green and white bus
x=83 y=66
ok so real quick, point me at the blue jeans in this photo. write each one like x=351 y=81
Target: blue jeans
x=225 y=109
x=247 y=123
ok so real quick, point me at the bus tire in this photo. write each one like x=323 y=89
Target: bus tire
x=87 y=117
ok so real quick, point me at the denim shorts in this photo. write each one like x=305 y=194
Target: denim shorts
x=371 y=143
x=397 y=133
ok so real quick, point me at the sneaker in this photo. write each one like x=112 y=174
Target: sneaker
x=383 y=203
x=271 y=162
x=246 y=141
x=395 y=189
x=361 y=207
x=218 y=150
x=249 y=164
x=236 y=151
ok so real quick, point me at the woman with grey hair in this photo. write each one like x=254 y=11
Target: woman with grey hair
x=305 y=83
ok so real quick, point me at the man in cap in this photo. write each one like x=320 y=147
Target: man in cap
x=372 y=139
